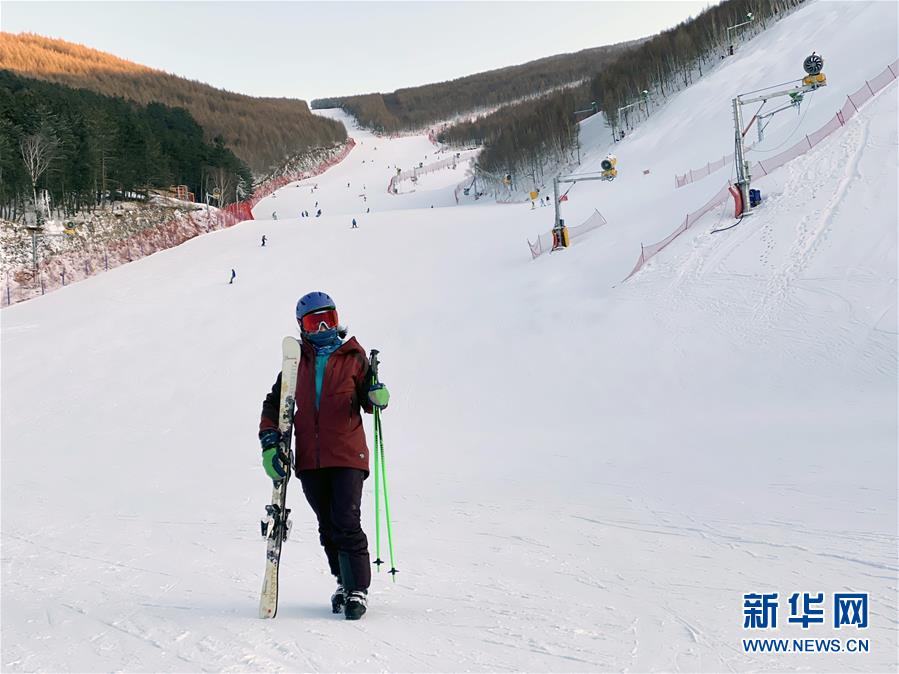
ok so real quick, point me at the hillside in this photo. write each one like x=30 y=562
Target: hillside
x=415 y=107
x=262 y=132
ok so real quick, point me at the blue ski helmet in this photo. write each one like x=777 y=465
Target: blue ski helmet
x=314 y=301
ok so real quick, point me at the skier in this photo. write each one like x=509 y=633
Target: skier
x=319 y=213
x=263 y=240
x=334 y=380
x=274 y=215
x=233 y=276
x=354 y=224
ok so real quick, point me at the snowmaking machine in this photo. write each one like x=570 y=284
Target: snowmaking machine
x=608 y=165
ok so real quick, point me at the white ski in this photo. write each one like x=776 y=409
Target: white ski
x=276 y=525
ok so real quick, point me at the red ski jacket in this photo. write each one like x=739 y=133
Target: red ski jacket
x=331 y=436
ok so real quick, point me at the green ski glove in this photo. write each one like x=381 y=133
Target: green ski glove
x=273 y=465
x=379 y=396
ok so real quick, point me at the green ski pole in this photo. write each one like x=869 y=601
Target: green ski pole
x=380 y=472
x=378 y=561
x=393 y=570
x=376 y=459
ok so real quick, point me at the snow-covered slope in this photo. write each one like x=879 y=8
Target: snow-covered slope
x=358 y=185
x=585 y=475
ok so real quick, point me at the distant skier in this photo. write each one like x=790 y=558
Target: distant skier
x=263 y=240
x=319 y=214
x=354 y=224
x=368 y=210
x=233 y=276
x=274 y=215
x=333 y=386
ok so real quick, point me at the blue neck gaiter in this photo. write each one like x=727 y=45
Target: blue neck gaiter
x=325 y=343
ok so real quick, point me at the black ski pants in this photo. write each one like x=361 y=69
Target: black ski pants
x=335 y=495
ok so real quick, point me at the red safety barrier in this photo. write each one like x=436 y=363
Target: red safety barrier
x=738 y=200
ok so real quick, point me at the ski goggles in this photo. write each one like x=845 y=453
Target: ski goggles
x=319 y=320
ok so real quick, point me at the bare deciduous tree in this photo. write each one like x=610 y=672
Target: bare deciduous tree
x=38 y=150
x=225 y=183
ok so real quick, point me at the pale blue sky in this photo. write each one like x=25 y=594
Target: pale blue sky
x=314 y=49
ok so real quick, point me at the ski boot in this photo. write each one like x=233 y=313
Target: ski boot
x=338 y=599
x=355 y=604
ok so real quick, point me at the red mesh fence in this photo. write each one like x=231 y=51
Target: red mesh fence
x=647 y=252
x=719 y=198
x=765 y=166
x=693 y=175
x=888 y=75
x=817 y=136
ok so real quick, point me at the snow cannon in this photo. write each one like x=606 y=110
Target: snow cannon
x=814 y=66
x=609 y=172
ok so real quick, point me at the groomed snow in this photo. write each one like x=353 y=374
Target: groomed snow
x=585 y=474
